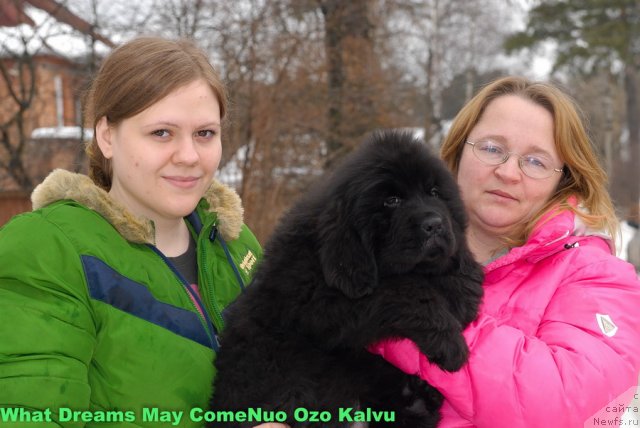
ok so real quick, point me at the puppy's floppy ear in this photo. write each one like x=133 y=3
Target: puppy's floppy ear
x=345 y=251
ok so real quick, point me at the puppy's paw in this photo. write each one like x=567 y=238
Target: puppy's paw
x=449 y=354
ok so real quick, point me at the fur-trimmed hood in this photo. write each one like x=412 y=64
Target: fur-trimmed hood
x=62 y=184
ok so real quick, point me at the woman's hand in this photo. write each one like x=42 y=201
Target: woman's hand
x=402 y=353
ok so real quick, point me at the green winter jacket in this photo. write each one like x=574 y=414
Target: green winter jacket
x=96 y=328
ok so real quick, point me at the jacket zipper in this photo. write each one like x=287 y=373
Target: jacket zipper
x=204 y=320
x=206 y=277
x=566 y=246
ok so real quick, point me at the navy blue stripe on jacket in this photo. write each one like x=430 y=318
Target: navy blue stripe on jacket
x=115 y=289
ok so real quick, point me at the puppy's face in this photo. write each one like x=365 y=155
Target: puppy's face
x=415 y=216
x=391 y=208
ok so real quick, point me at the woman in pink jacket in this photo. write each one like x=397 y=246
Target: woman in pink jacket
x=558 y=336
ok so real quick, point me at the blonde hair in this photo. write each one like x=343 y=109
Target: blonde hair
x=136 y=75
x=583 y=177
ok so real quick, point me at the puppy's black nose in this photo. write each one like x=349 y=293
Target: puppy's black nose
x=432 y=224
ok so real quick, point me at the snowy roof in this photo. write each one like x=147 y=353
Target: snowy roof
x=62 y=34
x=61 y=133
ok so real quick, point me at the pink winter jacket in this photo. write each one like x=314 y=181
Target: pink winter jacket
x=557 y=339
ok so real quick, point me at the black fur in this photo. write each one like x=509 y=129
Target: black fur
x=376 y=250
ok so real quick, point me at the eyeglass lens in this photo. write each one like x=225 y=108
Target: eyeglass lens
x=533 y=165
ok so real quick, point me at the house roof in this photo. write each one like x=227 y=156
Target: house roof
x=12 y=14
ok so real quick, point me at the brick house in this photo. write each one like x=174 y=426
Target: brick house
x=53 y=121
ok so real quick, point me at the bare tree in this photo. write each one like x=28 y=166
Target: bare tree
x=437 y=40
x=309 y=78
x=30 y=88
x=18 y=73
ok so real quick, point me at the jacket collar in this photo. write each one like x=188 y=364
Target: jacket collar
x=61 y=185
x=550 y=235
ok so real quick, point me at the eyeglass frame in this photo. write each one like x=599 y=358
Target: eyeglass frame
x=506 y=158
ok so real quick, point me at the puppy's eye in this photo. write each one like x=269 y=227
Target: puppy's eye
x=435 y=192
x=392 y=202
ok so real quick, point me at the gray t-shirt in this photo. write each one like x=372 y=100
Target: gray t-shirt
x=187 y=263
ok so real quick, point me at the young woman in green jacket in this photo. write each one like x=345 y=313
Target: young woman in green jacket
x=112 y=291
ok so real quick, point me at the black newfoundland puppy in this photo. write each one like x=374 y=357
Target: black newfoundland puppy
x=376 y=250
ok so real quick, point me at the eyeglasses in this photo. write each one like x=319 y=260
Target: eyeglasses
x=534 y=166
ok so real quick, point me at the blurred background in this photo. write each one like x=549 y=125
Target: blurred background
x=308 y=79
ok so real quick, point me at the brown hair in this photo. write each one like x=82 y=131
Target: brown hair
x=583 y=177
x=136 y=75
